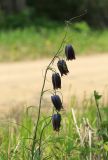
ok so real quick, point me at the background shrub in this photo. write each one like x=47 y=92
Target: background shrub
x=27 y=12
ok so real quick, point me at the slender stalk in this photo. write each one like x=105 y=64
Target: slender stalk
x=77 y=129
x=15 y=150
x=98 y=110
x=100 y=118
x=41 y=95
x=70 y=20
x=90 y=143
x=36 y=126
x=42 y=135
x=43 y=86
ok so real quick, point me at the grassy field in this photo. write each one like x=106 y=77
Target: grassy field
x=41 y=41
x=29 y=134
x=86 y=138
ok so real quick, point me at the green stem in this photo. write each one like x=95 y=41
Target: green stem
x=41 y=95
x=42 y=135
x=98 y=110
x=36 y=126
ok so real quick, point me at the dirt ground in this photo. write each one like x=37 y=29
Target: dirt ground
x=20 y=83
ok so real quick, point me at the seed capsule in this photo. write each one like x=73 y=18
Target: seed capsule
x=56 y=80
x=57 y=102
x=56 y=120
x=62 y=66
x=69 y=52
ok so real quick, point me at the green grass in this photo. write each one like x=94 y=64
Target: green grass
x=16 y=134
x=41 y=41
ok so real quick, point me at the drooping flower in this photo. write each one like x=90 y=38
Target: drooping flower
x=57 y=102
x=69 y=52
x=56 y=80
x=56 y=121
x=62 y=67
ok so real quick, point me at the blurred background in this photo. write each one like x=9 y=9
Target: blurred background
x=31 y=32
x=29 y=27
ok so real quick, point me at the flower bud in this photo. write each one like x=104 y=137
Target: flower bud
x=56 y=120
x=69 y=52
x=56 y=80
x=57 y=102
x=62 y=67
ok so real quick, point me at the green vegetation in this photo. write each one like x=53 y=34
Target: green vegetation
x=42 y=40
x=16 y=133
x=29 y=134
x=19 y=13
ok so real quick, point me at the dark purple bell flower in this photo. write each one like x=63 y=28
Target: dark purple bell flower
x=69 y=52
x=62 y=67
x=57 y=102
x=56 y=120
x=56 y=80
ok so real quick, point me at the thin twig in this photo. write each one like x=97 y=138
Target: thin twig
x=78 y=131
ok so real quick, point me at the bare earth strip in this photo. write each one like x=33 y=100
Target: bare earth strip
x=20 y=83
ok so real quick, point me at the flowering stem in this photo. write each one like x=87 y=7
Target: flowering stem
x=41 y=95
x=42 y=90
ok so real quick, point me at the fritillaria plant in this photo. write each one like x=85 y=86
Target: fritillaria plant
x=56 y=84
x=55 y=98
